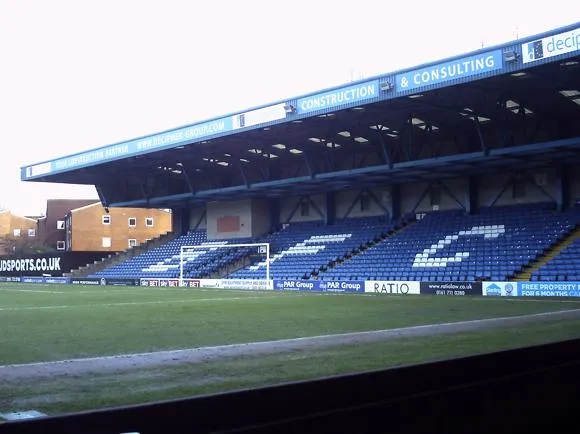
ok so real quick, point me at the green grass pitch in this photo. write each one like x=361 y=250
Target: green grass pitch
x=42 y=323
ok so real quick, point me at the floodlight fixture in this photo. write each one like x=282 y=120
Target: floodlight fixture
x=510 y=56
x=387 y=86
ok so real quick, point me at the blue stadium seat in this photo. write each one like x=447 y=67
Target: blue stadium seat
x=450 y=246
x=563 y=267
x=304 y=249
x=494 y=244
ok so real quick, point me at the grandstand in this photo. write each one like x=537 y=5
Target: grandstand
x=494 y=244
x=413 y=175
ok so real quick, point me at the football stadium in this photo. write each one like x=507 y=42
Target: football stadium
x=422 y=215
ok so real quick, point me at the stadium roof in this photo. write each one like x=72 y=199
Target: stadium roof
x=513 y=106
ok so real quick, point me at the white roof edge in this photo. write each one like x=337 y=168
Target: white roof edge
x=85 y=207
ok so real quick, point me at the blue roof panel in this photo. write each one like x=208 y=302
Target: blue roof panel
x=546 y=47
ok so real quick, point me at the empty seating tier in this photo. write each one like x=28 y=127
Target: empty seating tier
x=451 y=246
x=494 y=244
x=163 y=261
x=303 y=249
x=566 y=265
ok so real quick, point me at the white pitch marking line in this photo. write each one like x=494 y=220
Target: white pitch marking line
x=337 y=336
x=33 y=290
x=139 y=303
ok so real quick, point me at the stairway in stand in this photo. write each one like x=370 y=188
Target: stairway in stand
x=550 y=254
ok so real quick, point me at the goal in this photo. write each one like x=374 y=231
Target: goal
x=188 y=253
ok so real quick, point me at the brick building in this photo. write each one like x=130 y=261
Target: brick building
x=96 y=229
x=51 y=231
x=16 y=231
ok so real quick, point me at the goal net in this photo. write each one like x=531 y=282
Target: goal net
x=193 y=258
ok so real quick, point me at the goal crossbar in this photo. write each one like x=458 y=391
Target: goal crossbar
x=220 y=246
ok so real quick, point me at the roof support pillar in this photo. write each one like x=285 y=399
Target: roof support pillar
x=408 y=144
x=374 y=198
x=200 y=219
x=507 y=184
x=143 y=188
x=188 y=180
x=265 y=171
x=482 y=143
x=243 y=174
x=451 y=195
x=362 y=161
x=313 y=205
x=395 y=202
x=505 y=136
x=274 y=214
x=351 y=207
x=180 y=220
x=309 y=164
x=538 y=187
x=329 y=160
x=101 y=195
x=301 y=200
x=385 y=150
x=298 y=203
x=378 y=202
x=330 y=208
x=422 y=197
x=563 y=198
x=472 y=195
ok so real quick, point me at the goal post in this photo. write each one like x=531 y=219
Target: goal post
x=262 y=248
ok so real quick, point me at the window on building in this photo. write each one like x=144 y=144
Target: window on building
x=106 y=219
x=106 y=242
x=149 y=222
x=16 y=232
x=132 y=242
x=60 y=224
x=305 y=208
x=31 y=232
x=132 y=222
x=60 y=245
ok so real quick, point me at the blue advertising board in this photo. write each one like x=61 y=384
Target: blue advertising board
x=32 y=279
x=319 y=285
x=549 y=289
x=500 y=289
x=57 y=280
x=131 y=147
x=44 y=279
x=531 y=289
x=452 y=70
x=334 y=98
x=9 y=279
